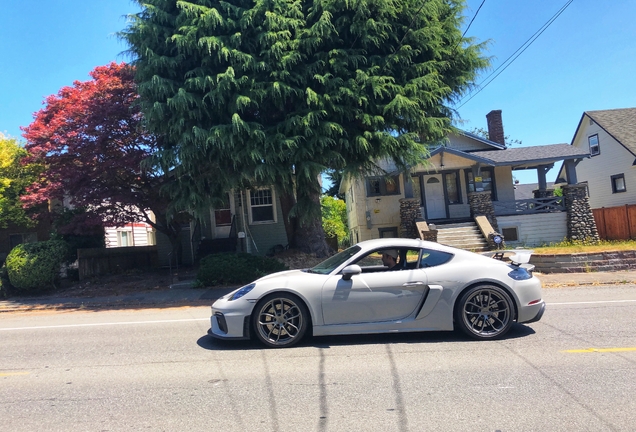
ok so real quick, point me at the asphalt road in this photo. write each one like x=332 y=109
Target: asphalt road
x=157 y=370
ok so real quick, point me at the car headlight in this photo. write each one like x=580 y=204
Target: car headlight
x=519 y=273
x=242 y=291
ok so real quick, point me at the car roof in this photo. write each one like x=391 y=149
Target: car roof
x=403 y=242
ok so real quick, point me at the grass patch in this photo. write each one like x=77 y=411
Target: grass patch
x=568 y=247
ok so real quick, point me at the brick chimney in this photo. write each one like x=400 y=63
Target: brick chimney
x=495 y=127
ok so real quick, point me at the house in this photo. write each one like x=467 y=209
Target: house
x=610 y=172
x=131 y=234
x=250 y=220
x=468 y=176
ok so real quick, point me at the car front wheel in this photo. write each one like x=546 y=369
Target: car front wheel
x=485 y=312
x=280 y=320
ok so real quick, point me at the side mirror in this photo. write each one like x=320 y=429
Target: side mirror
x=350 y=271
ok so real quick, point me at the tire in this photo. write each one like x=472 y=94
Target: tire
x=485 y=312
x=280 y=320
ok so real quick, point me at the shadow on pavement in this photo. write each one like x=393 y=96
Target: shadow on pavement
x=212 y=344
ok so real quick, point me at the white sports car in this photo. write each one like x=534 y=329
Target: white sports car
x=383 y=286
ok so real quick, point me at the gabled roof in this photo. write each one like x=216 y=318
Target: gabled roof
x=481 y=139
x=521 y=157
x=619 y=123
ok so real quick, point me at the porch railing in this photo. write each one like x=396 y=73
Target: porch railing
x=529 y=206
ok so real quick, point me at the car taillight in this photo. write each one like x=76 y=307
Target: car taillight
x=534 y=302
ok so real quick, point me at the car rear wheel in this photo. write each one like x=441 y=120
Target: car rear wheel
x=280 y=320
x=485 y=312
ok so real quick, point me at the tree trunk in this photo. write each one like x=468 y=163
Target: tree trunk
x=287 y=202
x=310 y=236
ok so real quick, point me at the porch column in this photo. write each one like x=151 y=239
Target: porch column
x=543 y=191
x=481 y=205
x=409 y=212
x=580 y=219
x=408 y=185
x=570 y=172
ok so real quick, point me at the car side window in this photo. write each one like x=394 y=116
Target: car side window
x=432 y=258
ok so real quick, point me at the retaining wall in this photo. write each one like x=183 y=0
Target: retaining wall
x=584 y=262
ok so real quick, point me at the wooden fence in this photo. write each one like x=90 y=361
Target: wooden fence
x=616 y=223
x=94 y=262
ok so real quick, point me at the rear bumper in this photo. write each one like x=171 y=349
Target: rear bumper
x=538 y=316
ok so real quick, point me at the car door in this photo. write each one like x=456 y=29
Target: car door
x=373 y=296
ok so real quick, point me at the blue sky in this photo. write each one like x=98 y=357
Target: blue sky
x=585 y=60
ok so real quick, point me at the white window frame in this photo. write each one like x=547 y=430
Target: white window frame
x=273 y=204
x=617 y=181
x=129 y=235
x=596 y=146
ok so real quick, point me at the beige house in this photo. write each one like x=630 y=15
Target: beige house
x=610 y=172
x=465 y=177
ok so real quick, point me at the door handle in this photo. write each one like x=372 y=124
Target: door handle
x=412 y=284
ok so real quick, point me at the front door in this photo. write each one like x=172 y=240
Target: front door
x=434 y=196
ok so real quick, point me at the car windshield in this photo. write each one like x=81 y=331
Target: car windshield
x=331 y=263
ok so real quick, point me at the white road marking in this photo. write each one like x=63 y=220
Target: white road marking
x=105 y=324
x=207 y=319
x=590 y=302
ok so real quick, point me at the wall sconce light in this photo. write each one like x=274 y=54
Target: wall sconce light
x=377 y=200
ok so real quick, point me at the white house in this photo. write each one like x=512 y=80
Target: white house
x=610 y=172
x=464 y=177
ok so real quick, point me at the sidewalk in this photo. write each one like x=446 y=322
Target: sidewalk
x=174 y=296
x=182 y=295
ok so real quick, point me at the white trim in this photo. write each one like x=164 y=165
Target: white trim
x=273 y=204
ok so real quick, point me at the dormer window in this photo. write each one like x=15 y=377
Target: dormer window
x=594 y=146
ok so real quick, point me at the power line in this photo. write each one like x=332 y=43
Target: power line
x=474 y=16
x=517 y=53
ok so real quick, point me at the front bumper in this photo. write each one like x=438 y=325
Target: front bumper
x=230 y=322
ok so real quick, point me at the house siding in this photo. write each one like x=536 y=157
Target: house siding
x=139 y=233
x=260 y=238
x=598 y=170
x=384 y=211
x=536 y=229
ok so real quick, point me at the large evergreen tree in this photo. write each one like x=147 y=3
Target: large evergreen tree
x=277 y=91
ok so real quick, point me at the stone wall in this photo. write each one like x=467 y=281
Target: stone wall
x=580 y=222
x=584 y=262
x=409 y=212
x=481 y=204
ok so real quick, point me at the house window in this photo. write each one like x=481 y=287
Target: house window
x=618 y=183
x=452 y=188
x=223 y=214
x=16 y=239
x=124 y=238
x=594 y=147
x=510 y=234
x=487 y=182
x=377 y=186
x=152 y=238
x=391 y=232
x=262 y=206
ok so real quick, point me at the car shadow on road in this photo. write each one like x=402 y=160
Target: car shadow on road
x=213 y=344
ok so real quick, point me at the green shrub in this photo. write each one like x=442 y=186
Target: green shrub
x=35 y=267
x=241 y=268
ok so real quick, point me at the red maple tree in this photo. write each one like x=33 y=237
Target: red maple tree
x=90 y=137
